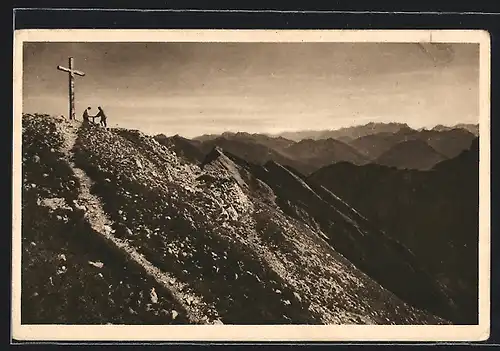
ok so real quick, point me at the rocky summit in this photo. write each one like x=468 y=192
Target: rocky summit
x=121 y=229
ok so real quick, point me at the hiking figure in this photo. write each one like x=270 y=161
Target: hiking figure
x=86 y=116
x=102 y=116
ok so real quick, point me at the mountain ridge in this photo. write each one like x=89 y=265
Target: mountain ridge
x=444 y=199
x=215 y=231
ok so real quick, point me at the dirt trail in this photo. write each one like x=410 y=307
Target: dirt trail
x=96 y=216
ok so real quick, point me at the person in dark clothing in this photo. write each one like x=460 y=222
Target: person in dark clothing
x=86 y=115
x=102 y=116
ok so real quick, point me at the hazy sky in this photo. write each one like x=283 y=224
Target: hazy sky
x=196 y=88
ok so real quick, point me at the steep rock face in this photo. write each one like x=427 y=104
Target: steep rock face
x=351 y=234
x=218 y=230
x=434 y=213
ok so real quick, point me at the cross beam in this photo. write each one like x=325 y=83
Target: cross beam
x=71 y=73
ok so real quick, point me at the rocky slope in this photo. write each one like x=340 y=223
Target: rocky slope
x=434 y=213
x=153 y=238
x=70 y=273
x=356 y=238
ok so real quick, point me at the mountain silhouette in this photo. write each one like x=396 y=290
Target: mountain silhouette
x=276 y=143
x=305 y=156
x=319 y=153
x=253 y=151
x=472 y=128
x=345 y=134
x=448 y=142
x=411 y=154
x=434 y=213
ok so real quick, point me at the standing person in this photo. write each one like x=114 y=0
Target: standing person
x=86 y=115
x=103 y=117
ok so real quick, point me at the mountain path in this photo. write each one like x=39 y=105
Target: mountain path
x=100 y=222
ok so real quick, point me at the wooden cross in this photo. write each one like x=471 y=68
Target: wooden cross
x=72 y=72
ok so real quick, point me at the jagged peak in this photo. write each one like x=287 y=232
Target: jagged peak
x=275 y=165
x=213 y=155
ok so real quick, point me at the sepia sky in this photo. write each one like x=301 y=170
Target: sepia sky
x=197 y=88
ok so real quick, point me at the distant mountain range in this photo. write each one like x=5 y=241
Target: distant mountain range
x=448 y=142
x=345 y=134
x=305 y=156
x=410 y=154
x=392 y=144
x=473 y=128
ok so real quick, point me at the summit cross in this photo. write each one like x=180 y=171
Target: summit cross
x=71 y=72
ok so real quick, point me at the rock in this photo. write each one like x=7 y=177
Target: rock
x=287 y=302
x=33 y=185
x=96 y=264
x=78 y=206
x=297 y=296
x=139 y=164
x=278 y=291
x=62 y=257
x=174 y=314
x=189 y=300
x=218 y=322
x=154 y=297
x=36 y=159
x=131 y=311
x=108 y=180
x=32 y=243
x=62 y=270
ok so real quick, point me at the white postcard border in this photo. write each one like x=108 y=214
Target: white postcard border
x=226 y=333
